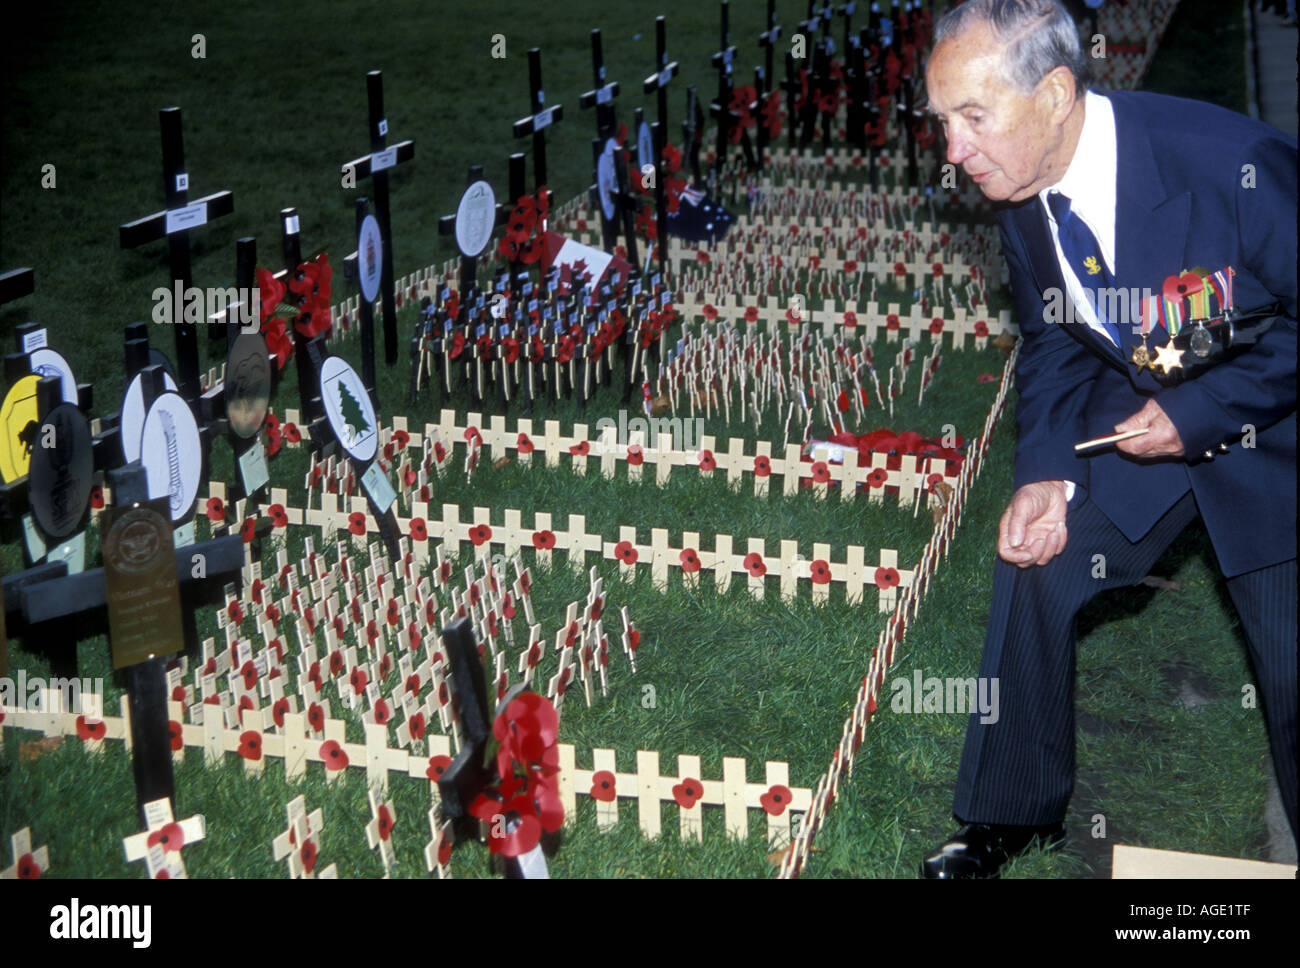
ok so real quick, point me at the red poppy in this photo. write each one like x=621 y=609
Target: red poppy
x=936 y=326
x=900 y=270
x=249 y=673
x=762 y=466
x=602 y=786
x=248 y=529
x=702 y=257
x=633 y=639
x=850 y=319
x=292 y=433
x=89 y=731
x=170 y=836
x=386 y=821
x=175 y=735
x=625 y=552
x=688 y=792
x=246 y=702
x=596 y=608
x=886 y=578
x=986 y=378
x=931 y=481
x=981 y=328
x=580 y=449
x=278 y=710
x=710 y=312
x=524 y=444
x=96 y=497
x=754 y=564
x=27 y=868
x=820 y=572
x=250 y=745
x=316 y=717
x=751 y=314
x=776 y=799
x=357 y=523
x=820 y=472
x=891 y=321
x=358 y=679
x=307 y=856
x=792 y=316
x=480 y=534
x=393 y=615
x=333 y=755
x=437 y=767
x=216 y=510
x=635 y=456
x=877 y=477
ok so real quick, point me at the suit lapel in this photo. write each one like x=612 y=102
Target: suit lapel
x=1150 y=225
x=1031 y=221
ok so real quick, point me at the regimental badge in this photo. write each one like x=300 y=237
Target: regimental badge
x=1092 y=265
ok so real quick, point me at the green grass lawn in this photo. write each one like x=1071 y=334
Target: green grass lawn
x=274 y=109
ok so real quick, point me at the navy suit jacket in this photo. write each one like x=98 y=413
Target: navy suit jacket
x=1198 y=186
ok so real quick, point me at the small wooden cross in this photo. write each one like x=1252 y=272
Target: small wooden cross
x=159 y=846
x=379 y=830
x=28 y=864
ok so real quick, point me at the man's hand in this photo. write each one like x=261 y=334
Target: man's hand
x=1161 y=438
x=1032 y=529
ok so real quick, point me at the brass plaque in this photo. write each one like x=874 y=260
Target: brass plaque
x=144 y=601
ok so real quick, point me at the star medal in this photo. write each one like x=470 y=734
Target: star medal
x=1142 y=356
x=1168 y=358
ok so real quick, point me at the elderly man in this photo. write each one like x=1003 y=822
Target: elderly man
x=1100 y=193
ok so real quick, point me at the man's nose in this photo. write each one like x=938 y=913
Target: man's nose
x=959 y=147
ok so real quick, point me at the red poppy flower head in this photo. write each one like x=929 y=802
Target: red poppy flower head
x=626 y=552
x=762 y=466
x=688 y=792
x=754 y=564
x=886 y=578
x=333 y=755
x=480 y=534
x=820 y=572
x=250 y=745
x=603 y=787
x=170 y=836
x=175 y=734
x=776 y=800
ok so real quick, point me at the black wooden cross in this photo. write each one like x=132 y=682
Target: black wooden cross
x=693 y=133
x=720 y=109
x=603 y=92
x=307 y=354
x=847 y=11
x=539 y=117
x=601 y=97
x=200 y=569
x=767 y=40
x=664 y=72
x=16 y=283
x=375 y=166
x=174 y=224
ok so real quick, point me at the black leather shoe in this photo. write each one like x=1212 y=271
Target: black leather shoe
x=982 y=849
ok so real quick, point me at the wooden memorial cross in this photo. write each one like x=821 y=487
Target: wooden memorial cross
x=693 y=133
x=28 y=864
x=539 y=117
x=244 y=394
x=174 y=224
x=468 y=776
x=138 y=552
x=471 y=227
x=767 y=40
x=375 y=166
x=658 y=82
x=720 y=109
x=16 y=283
x=616 y=203
x=159 y=844
x=308 y=354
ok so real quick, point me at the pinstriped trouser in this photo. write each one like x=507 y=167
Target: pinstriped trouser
x=1020 y=769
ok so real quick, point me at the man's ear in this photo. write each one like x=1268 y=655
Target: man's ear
x=1058 y=87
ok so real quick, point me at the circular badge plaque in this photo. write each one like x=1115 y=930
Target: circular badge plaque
x=172 y=454
x=645 y=146
x=131 y=426
x=370 y=255
x=61 y=472
x=348 y=409
x=607 y=179
x=46 y=362
x=248 y=384
x=476 y=216
x=18 y=428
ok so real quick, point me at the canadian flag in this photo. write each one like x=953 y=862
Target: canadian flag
x=582 y=263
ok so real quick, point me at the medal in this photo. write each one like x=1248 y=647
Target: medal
x=1201 y=341
x=1142 y=356
x=1168 y=358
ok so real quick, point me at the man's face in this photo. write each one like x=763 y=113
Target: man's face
x=1007 y=141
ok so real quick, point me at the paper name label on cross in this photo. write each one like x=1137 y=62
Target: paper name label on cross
x=34 y=340
x=664 y=76
x=189 y=217
x=291 y=225
x=377 y=486
x=542 y=119
x=605 y=94
x=383 y=159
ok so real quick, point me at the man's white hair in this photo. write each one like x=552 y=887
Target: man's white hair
x=1037 y=36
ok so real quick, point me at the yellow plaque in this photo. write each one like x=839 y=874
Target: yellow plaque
x=18 y=428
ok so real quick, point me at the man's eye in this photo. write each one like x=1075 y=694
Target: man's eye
x=975 y=118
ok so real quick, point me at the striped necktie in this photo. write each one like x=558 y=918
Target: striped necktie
x=1083 y=255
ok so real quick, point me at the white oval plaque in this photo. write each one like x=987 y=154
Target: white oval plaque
x=476 y=217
